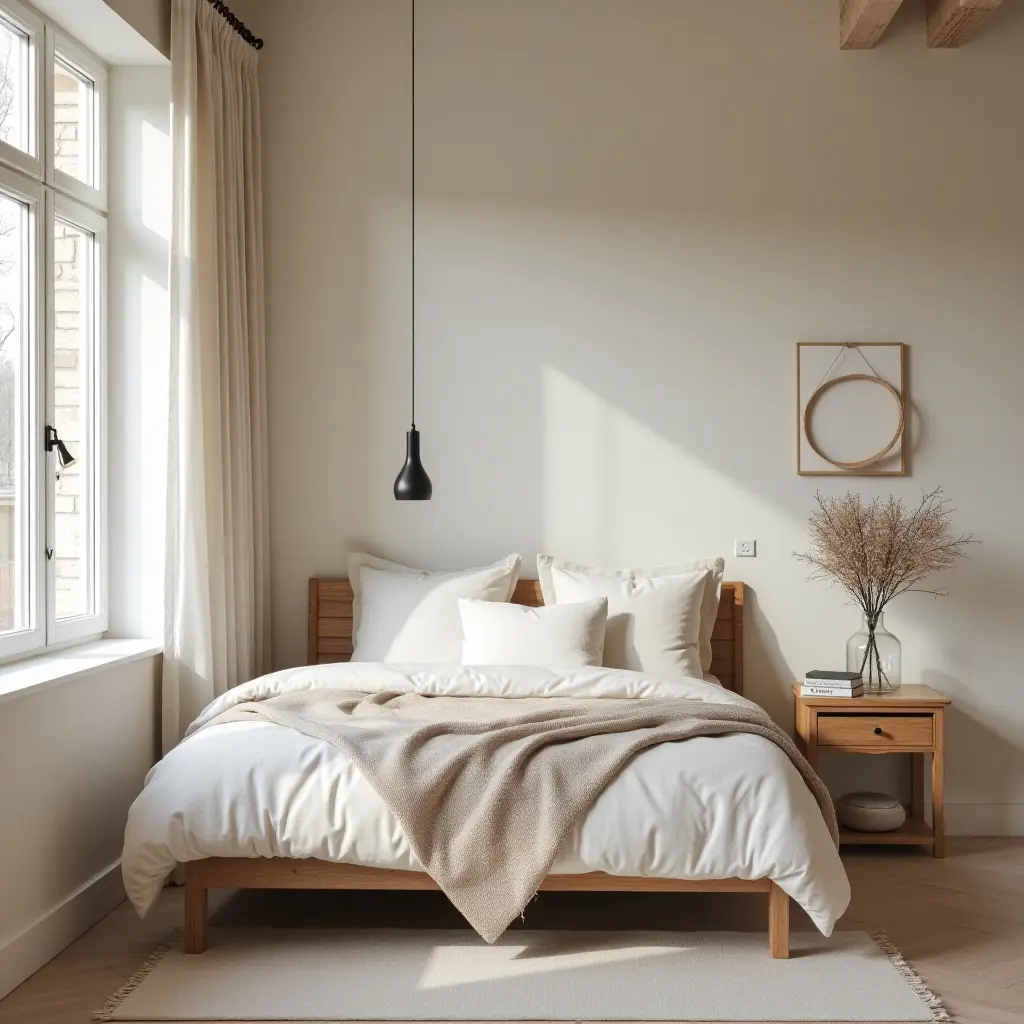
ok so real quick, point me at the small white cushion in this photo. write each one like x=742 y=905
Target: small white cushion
x=548 y=567
x=653 y=621
x=558 y=636
x=870 y=812
x=401 y=614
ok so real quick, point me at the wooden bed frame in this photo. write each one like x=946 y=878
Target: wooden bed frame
x=330 y=640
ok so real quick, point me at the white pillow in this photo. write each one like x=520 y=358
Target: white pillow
x=402 y=614
x=709 y=603
x=556 y=636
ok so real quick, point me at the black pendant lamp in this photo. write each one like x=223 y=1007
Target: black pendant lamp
x=413 y=484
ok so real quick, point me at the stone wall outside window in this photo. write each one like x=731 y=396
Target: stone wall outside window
x=70 y=269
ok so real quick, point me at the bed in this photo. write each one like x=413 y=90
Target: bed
x=231 y=830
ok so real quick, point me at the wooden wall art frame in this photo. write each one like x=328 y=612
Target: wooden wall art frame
x=870 y=465
x=330 y=640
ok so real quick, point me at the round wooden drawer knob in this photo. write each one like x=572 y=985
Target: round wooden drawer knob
x=878 y=730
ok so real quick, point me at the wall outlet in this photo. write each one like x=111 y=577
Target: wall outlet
x=746 y=548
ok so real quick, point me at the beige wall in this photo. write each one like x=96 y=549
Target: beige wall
x=78 y=752
x=630 y=212
x=152 y=18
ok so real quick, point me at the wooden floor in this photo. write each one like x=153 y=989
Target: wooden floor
x=959 y=921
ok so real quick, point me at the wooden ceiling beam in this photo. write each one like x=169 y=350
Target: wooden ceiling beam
x=863 y=22
x=952 y=23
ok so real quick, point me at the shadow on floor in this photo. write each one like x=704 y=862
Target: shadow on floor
x=562 y=911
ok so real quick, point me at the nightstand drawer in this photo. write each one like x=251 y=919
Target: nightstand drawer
x=875 y=731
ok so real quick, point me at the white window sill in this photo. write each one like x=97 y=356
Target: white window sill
x=45 y=670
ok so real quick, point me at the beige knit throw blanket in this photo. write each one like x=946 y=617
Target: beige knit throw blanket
x=486 y=789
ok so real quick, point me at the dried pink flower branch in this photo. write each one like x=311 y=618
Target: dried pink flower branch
x=878 y=549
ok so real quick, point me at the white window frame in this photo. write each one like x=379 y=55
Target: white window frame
x=88 y=64
x=29 y=22
x=33 y=636
x=51 y=195
x=94 y=623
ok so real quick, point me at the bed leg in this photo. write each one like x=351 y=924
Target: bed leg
x=195 y=911
x=778 y=923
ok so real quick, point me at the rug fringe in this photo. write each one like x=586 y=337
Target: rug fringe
x=106 y=1013
x=940 y=1015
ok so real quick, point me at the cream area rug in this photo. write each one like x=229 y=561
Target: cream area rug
x=332 y=975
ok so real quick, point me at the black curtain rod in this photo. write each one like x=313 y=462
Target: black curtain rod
x=236 y=23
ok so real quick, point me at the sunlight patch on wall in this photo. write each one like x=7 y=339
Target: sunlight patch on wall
x=618 y=493
x=155 y=157
x=577 y=427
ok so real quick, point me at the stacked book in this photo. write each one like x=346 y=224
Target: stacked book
x=820 y=683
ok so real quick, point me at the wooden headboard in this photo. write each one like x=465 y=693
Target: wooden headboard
x=330 y=625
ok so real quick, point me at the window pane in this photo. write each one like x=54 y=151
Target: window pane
x=73 y=123
x=15 y=90
x=15 y=391
x=73 y=347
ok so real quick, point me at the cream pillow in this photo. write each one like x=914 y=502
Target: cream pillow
x=556 y=636
x=546 y=565
x=401 y=614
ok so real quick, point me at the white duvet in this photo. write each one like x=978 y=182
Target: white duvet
x=711 y=807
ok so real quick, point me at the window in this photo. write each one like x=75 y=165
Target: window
x=52 y=310
x=72 y=123
x=15 y=413
x=77 y=88
x=15 y=87
x=77 y=254
x=21 y=42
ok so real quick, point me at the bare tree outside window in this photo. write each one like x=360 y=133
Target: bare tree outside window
x=9 y=245
x=11 y=87
x=8 y=324
x=10 y=218
x=8 y=43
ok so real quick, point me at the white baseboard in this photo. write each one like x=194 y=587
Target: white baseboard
x=58 y=928
x=984 y=819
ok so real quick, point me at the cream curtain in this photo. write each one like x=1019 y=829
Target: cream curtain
x=217 y=629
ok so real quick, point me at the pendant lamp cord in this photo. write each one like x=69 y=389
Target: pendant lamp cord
x=412 y=12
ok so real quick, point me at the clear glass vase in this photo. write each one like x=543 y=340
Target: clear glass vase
x=876 y=654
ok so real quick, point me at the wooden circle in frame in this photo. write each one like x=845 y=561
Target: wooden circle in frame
x=871 y=459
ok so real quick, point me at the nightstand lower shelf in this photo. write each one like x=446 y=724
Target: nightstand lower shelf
x=913 y=832
x=907 y=721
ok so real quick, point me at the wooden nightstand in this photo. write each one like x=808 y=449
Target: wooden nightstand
x=904 y=721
